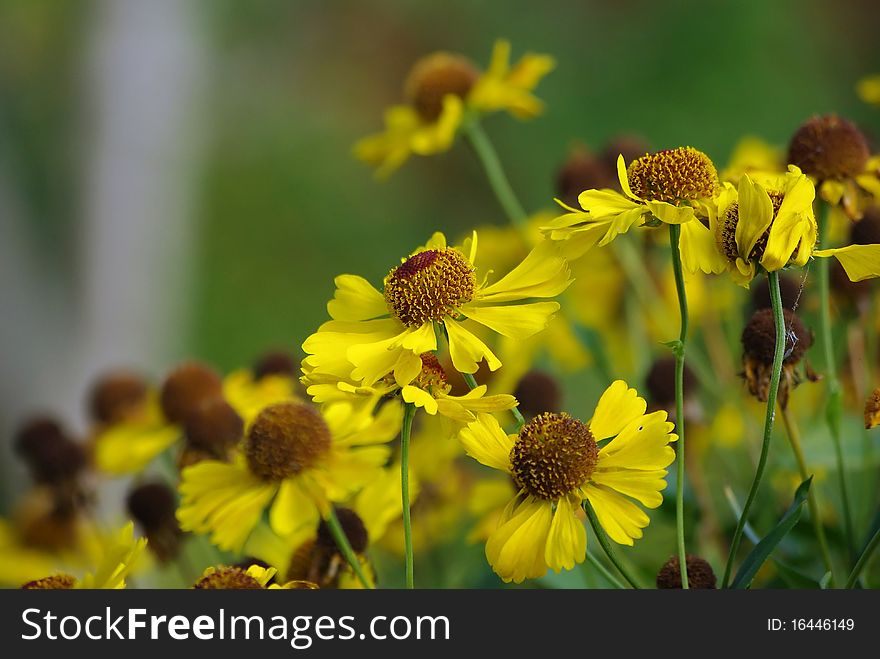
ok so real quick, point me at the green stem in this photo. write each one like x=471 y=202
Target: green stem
x=779 y=352
x=488 y=157
x=863 y=559
x=833 y=409
x=344 y=546
x=409 y=411
x=674 y=236
x=794 y=438
x=606 y=545
x=605 y=572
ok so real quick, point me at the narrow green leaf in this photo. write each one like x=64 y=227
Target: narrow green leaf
x=763 y=549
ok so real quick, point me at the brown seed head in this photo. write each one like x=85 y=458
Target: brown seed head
x=55 y=582
x=186 y=387
x=435 y=76
x=829 y=147
x=538 y=392
x=673 y=175
x=214 y=426
x=115 y=396
x=700 y=574
x=228 y=578
x=285 y=439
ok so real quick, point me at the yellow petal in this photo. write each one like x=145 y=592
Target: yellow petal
x=419 y=398
x=516 y=549
x=467 y=350
x=356 y=299
x=621 y=519
x=602 y=203
x=793 y=223
x=699 y=251
x=868 y=89
x=129 y=447
x=859 y=261
x=292 y=510
x=755 y=215
x=438 y=136
x=642 y=444
x=487 y=443
x=618 y=406
x=518 y=321
x=669 y=214
x=566 y=540
x=623 y=178
x=645 y=486
x=543 y=273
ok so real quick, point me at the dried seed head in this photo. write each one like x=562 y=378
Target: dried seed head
x=285 y=439
x=553 y=455
x=186 y=387
x=214 y=426
x=700 y=574
x=276 y=362
x=354 y=530
x=435 y=76
x=829 y=148
x=789 y=289
x=660 y=382
x=673 y=175
x=55 y=582
x=152 y=505
x=228 y=578
x=538 y=392
x=428 y=286
x=53 y=458
x=115 y=396
x=759 y=337
x=582 y=171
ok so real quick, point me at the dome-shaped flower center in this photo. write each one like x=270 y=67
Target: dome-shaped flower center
x=117 y=395
x=700 y=573
x=673 y=175
x=727 y=231
x=429 y=286
x=285 y=439
x=186 y=387
x=435 y=76
x=55 y=582
x=228 y=578
x=432 y=373
x=214 y=426
x=829 y=147
x=553 y=455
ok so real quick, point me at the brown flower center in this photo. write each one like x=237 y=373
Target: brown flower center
x=285 y=439
x=428 y=286
x=673 y=175
x=185 y=389
x=553 y=455
x=435 y=76
x=228 y=578
x=727 y=231
x=829 y=147
x=55 y=582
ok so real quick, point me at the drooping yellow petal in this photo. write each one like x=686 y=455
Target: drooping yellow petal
x=755 y=215
x=618 y=406
x=388 y=150
x=601 y=204
x=436 y=137
x=373 y=361
x=669 y=214
x=621 y=519
x=419 y=398
x=326 y=349
x=466 y=350
x=355 y=299
x=345 y=471
x=516 y=549
x=127 y=448
x=487 y=443
x=859 y=261
x=293 y=509
x=543 y=273
x=249 y=396
x=120 y=556
x=518 y=321
x=623 y=178
x=644 y=486
x=794 y=223
x=506 y=88
x=699 y=252
x=642 y=444
x=566 y=540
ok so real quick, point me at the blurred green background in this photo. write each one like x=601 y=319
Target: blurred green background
x=278 y=93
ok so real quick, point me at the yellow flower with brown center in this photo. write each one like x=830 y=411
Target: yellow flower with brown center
x=295 y=461
x=674 y=186
x=835 y=154
x=556 y=462
x=868 y=89
x=375 y=334
x=440 y=89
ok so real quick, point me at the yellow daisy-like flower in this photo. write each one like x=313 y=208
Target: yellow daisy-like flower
x=868 y=89
x=119 y=557
x=557 y=462
x=675 y=186
x=836 y=155
x=129 y=446
x=773 y=225
x=751 y=155
x=440 y=89
x=430 y=390
x=295 y=461
x=373 y=334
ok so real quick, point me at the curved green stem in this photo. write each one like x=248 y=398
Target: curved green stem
x=834 y=405
x=794 y=438
x=488 y=157
x=344 y=547
x=409 y=411
x=678 y=349
x=779 y=352
x=606 y=545
x=863 y=559
x=601 y=569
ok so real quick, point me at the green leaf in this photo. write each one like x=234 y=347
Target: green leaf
x=795 y=578
x=763 y=549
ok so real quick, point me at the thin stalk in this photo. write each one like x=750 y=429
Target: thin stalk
x=779 y=321
x=678 y=350
x=794 y=438
x=604 y=571
x=834 y=405
x=409 y=411
x=488 y=157
x=344 y=546
x=606 y=545
x=863 y=559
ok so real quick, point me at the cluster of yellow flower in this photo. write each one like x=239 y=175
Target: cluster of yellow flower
x=295 y=476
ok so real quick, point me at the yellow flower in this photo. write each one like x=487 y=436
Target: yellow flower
x=773 y=226
x=440 y=89
x=295 y=461
x=129 y=446
x=557 y=463
x=373 y=334
x=868 y=89
x=430 y=390
x=120 y=554
x=751 y=155
x=675 y=186
x=255 y=577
